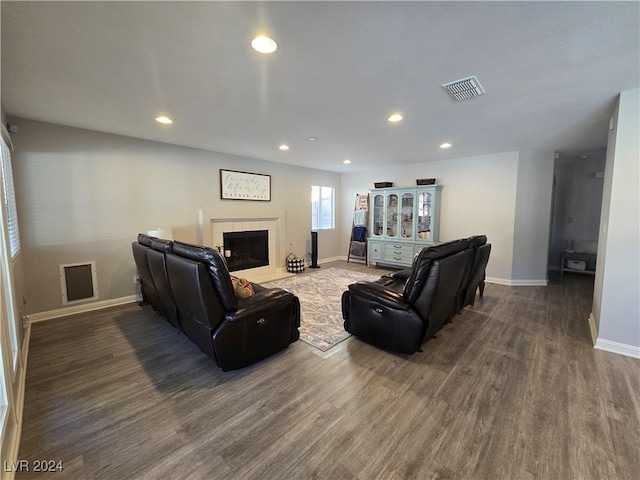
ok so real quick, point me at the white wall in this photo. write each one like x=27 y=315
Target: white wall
x=506 y=196
x=532 y=217
x=84 y=196
x=478 y=197
x=616 y=304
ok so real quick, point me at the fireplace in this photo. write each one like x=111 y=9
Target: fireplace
x=248 y=249
x=214 y=222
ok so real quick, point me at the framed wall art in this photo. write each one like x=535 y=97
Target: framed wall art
x=245 y=186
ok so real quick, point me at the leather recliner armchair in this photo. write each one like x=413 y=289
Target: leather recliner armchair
x=400 y=316
x=478 y=265
x=147 y=286
x=157 y=258
x=234 y=333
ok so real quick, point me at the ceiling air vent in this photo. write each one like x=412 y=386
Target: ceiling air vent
x=464 y=88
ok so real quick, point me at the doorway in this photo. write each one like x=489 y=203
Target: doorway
x=578 y=181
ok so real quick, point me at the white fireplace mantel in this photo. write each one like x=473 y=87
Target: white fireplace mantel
x=212 y=222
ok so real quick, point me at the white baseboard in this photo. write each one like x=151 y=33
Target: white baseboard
x=619 y=348
x=518 y=283
x=609 y=345
x=331 y=259
x=87 y=307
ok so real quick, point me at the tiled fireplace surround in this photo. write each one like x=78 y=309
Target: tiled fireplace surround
x=212 y=223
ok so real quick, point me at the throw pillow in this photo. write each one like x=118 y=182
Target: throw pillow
x=242 y=287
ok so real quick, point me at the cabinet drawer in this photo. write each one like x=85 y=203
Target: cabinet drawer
x=398 y=253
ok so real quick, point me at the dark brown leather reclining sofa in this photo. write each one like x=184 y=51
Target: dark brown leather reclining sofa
x=191 y=286
x=401 y=311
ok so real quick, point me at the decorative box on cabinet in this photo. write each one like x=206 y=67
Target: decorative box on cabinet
x=403 y=221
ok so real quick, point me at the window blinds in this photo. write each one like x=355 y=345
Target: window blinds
x=9 y=197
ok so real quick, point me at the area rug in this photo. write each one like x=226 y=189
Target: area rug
x=320 y=294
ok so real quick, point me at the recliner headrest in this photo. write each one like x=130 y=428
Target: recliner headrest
x=441 y=250
x=161 y=245
x=477 y=240
x=199 y=253
x=217 y=267
x=423 y=262
x=144 y=239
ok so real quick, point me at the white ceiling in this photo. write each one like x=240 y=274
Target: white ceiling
x=551 y=71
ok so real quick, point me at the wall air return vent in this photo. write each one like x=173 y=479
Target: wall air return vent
x=464 y=88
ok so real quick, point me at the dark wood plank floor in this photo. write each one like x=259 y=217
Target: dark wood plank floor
x=512 y=389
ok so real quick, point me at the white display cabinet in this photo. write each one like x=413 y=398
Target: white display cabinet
x=403 y=221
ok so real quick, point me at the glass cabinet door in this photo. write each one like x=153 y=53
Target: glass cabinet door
x=424 y=215
x=407 y=215
x=392 y=215
x=378 y=215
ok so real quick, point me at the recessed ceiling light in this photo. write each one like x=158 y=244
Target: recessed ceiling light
x=396 y=117
x=264 y=44
x=445 y=145
x=312 y=139
x=163 y=119
x=346 y=161
x=284 y=147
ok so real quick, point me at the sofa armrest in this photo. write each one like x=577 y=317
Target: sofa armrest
x=380 y=316
x=259 y=303
x=381 y=294
x=402 y=274
x=263 y=324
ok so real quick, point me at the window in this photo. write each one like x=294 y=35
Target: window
x=322 y=208
x=8 y=337
x=10 y=201
x=9 y=247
